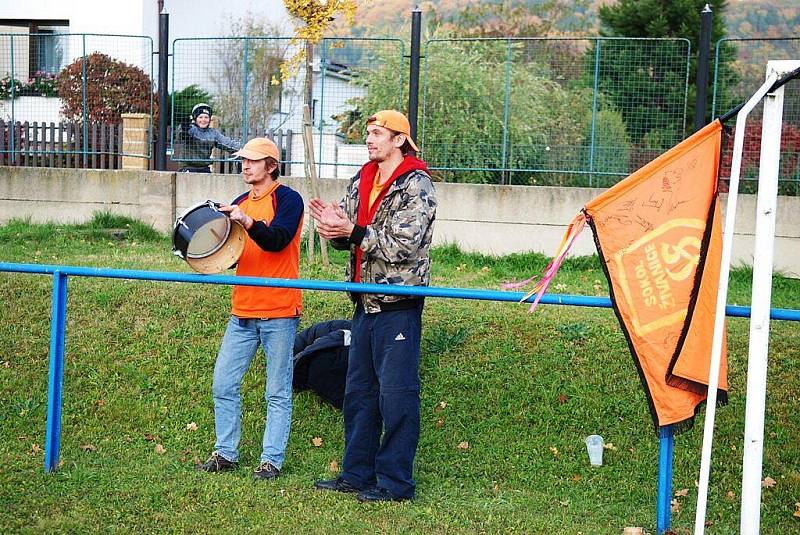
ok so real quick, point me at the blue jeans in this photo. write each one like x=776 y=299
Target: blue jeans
x=239 y=345
x=381 y=401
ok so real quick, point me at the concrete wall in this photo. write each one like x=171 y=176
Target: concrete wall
x=481 y=218
x=73 y=195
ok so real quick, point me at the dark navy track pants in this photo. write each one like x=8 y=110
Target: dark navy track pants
x=381 y=402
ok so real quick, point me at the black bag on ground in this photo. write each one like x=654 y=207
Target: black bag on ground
x=320 y=360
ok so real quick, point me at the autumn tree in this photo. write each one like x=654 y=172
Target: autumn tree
x=112 y=88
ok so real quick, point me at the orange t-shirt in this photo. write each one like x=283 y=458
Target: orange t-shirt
x=258 y=301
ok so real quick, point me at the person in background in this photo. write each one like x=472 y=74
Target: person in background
x=272 y=215
x=199 y=139
x=386 y=222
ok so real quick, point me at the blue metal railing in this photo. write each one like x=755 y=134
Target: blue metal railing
x=59 y=315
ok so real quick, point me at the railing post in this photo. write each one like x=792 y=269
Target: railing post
x=703 y=53
x=663 y=499
x=58 y=317
x=413 y=71
x=163 y=90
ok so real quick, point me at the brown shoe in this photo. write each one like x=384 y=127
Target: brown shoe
x=217 y=463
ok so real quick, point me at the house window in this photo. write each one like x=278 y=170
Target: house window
x=47 y=49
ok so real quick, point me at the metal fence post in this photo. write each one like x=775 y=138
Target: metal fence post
x=413 y=71
x=12 y=130
x=55 y=382
x=506 y=110
x=594 y=108
x=245 y=78
x=163 y=90
x=85 y=111
x=703 y=53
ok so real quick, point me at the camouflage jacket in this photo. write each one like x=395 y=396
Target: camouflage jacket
x=396 y=243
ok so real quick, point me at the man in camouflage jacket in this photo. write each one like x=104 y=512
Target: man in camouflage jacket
x=386 y=221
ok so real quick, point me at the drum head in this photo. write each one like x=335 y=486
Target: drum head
x=207 y=239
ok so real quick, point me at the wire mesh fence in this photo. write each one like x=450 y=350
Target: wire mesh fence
x=551 y=111
x=739 y=69
x=239 y=78
x=62 y=97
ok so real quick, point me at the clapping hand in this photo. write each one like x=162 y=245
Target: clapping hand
x=331 y=220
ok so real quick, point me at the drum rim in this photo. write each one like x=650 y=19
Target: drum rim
x=184 y=254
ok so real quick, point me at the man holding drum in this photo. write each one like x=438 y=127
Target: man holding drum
x=386 y=221
x=272 y=215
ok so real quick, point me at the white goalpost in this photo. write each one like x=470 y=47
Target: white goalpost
x=760 y=304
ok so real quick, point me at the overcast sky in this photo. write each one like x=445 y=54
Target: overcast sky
x=208 y=18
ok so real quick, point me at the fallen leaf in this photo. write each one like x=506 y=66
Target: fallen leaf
x=682 y=492
x=733 y=447
x=565 y=503
x=333 y=466
x=196 y=460
x=439 y=423
x=675 y=506
x=161 y=450
x=463 y=445
x=731 y=495
x=100 y=403
x=768 y=482
x=609 y=446
x=35 y=448
x=709 y=523
x=554 y=450
x=796 y=510
x=496 y=487
x=191 y=426
x=150 y=437
x=562 y=398
x=317 y=441
x=575 y=477
x=88 y=447
x=485 y=269
x=6 y=364
x=440 y=406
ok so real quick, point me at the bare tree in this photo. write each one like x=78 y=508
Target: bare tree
x=250 y=62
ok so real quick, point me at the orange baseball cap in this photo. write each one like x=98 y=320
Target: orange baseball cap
x=395 y=121
x=259 y=148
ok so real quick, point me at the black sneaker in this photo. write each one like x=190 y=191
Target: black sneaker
x=338 y=484
x=378 y=494
x=217 y=463
x=265 y=470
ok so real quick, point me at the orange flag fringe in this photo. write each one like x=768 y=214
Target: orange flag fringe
x=659 y=237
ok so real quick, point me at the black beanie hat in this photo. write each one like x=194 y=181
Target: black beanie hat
x=201 y=108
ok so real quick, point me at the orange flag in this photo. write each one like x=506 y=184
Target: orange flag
x=659 y=237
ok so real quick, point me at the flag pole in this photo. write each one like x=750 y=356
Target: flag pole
x=722 y=297
x=766 y=205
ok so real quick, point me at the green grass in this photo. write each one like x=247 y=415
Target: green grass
x=522 y=389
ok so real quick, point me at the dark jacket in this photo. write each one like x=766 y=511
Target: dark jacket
x=320 y=360
x=197 y=144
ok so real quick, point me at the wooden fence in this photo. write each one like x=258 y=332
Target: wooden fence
x=62 y=145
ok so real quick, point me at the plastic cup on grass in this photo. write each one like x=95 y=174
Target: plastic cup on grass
x=594 y=445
